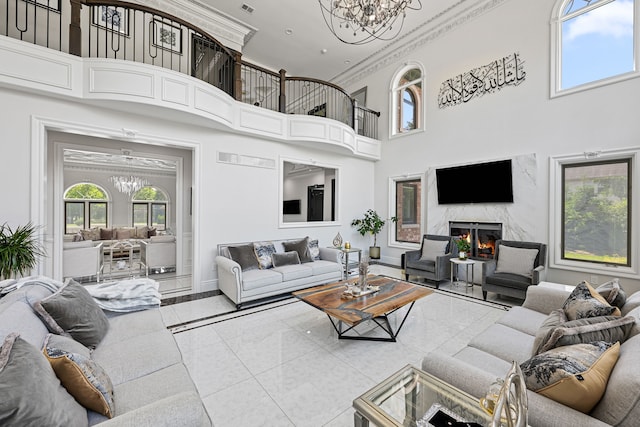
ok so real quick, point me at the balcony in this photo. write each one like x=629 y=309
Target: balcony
x=118 y=30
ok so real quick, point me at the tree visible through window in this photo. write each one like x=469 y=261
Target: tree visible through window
x=597 y=212
x=150 y=208
x=85 y=206
x=408 y=193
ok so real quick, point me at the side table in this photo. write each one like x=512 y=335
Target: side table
x=467 y=263
x=346 y=253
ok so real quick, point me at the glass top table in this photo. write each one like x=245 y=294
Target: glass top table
x=412 y=397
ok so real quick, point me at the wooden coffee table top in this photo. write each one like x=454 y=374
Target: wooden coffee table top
x=392 y=295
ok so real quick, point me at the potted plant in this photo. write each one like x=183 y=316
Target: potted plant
x=19 y=250
x=463 y=247
x=371 y=223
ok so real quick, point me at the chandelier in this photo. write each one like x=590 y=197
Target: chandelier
x=361 y=21
x=128 y=184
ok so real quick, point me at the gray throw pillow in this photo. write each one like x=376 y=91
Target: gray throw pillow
x=516 y=260
x=71 y=311
x=300 y=246
x=287 y=258
x=613 y=293
x=245 y=256
x=31 y=392
x=553 y=320
x=432 y=249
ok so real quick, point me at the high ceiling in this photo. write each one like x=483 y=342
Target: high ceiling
x=301 y=52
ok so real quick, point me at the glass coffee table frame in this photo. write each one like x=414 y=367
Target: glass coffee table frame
x=410 y=397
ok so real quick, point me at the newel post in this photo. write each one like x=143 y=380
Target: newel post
x=282 y=100
x=237 y=76
x=75 y=32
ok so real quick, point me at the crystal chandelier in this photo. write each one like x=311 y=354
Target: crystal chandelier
x=361 y=21
x=128 y=184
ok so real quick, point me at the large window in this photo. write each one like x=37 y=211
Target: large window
x=150 y=208
x=407 y=100
x=595 y=42
x=593 y=228
x=85 y=206
x=406 y=205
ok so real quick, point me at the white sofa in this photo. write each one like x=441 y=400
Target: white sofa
x=250 y=285
x=158 y=253
x=82 y=259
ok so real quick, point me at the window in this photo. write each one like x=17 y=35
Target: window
x=406 y=196
x=85 y=206
x=595 y=42
x=406 y=100
x=596 y=212
x=150 y=208
x=593 y=228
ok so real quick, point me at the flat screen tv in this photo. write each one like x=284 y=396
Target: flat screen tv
x=291 y=207
x=489 y=182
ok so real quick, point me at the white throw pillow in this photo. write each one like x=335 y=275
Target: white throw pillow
x=516 y=260
x=432 y=249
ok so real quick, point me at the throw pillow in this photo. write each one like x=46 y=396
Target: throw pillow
x=245 y=256
x=31 y=392
x=518 y=261
x=632 y=302
x=300 y=246
x=71 y=311
x=635 y=329
x=263 y=251
x=584 y=301
x=287 y=258
x=314 y=249
x=432 y=249
x=613 y=293
x=553 y=320
x=590 y=329
x=90 y=234
x=124 y=234
x=574 y=375
x=152 y=232
x=142 y=232
x=83 y=378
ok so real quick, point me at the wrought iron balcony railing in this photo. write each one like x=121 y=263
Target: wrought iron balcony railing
x=131 y=32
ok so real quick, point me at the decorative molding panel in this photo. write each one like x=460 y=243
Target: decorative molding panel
x=208 y=101
x=121 y=81
x=175 y=91
x=261 y=121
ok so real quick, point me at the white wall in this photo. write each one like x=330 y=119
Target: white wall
x=515 y=121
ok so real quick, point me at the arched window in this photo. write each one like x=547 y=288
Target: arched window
x=594 y=43
x=150 y=208
x=406 y=100
x=85 y=206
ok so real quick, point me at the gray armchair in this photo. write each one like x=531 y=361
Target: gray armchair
x=516 y=271
x=432 y=260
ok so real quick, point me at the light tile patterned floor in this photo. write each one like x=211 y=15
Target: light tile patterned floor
x=282 y=365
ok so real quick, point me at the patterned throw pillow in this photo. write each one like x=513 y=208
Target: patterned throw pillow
x=83 y=378
x=584 y=301
x=90 y=234
x=314 y=249
x=263 y=251
x=613 y=293
x=574 y=375
x=518 y=261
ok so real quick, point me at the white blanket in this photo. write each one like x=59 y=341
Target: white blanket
x=126 y=295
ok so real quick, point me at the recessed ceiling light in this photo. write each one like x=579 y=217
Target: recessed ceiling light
x=323 y=51
x=347 y=62
x=288 y=31
x=247 y=8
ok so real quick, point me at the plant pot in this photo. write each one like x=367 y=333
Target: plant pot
x=374 y=252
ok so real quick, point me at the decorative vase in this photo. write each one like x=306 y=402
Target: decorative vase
x=337 y=241
x=363 y=271
x=462 y=255
x=347 y=245
x=374 y=252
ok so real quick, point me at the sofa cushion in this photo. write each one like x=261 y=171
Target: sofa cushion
x=31 y=392
x=78 y=245
x=632 y=302
x=613 y=293
x=287 y=258
x=421 y=265
x=523 y=320
x=162 y=239
x=324 y=267
x=574 y=375
x=82 y=377
x=504 y=342
x=518 y=261
x=432 y=249
x=584 y=301
x=263 y=251
x=245 y=256
x=509 y=280
x=253 y=279
x=293 y=272
x=32 y=330
x=300 y=246
x=71 y=311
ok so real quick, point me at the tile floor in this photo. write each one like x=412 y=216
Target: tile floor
x=281 y=364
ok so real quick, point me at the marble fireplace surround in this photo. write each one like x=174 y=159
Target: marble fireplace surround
x=521 y=220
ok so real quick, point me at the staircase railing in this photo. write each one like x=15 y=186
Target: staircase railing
x=131 y=32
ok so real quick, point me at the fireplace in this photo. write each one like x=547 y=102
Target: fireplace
x=481 y=236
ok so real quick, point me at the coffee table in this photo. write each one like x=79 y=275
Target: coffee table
x=392 y=295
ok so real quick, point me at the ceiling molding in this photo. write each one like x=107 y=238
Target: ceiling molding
x=404 y=46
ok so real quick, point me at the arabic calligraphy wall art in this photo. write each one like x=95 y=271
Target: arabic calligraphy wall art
x=508 y=71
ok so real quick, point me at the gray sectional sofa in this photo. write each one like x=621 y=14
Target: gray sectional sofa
x=488 y=356
x=151 y=385
x=252 y=275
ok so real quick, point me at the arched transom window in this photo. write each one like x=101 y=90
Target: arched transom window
x=85 y=206
x=406 y=100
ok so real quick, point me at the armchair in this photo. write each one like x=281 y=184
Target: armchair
x=82 y=259
x=515 y=267
x=432 y=260
x=158 y=253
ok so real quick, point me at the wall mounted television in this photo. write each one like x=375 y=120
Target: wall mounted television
x=291 y=207
x=489 y=182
